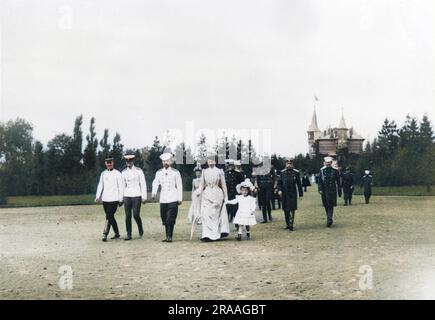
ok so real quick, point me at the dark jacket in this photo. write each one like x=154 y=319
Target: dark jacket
x=347 y=182
x=366 y=183
x=290 y=185
x=329 y=186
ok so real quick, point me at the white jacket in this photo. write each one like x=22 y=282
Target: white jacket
x=171 y=185
x=134 y=183
x=110 y=187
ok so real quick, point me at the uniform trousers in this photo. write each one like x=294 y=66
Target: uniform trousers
x=133 y=205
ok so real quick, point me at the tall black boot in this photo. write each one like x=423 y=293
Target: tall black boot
x=292 y=220
x=248 y=232
x=287 y=219
x=166 y=233
x=106 y=230
x=263 y=208
x=115 y=229
x=329 y=216
x=170 y=232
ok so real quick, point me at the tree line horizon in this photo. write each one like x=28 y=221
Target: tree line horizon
x=71 y=163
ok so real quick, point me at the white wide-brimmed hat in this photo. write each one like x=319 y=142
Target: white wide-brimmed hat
x=245 y=184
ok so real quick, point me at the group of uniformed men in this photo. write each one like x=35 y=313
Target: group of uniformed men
x=129 y=188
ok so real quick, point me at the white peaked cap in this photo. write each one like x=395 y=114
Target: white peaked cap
x=328 y=159
x=166 y=156
x=367 y=172
x=237 y=163
x=229 y=161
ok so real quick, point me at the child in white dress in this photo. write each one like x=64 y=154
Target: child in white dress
x=245 y=216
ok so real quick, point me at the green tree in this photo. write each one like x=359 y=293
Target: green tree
x=90 y=153
x=105 y=148
x=118 y=151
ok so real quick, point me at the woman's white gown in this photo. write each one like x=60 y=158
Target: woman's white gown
x=214 y=215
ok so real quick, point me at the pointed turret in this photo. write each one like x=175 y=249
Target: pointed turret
x=342 y=124
x=313 y=126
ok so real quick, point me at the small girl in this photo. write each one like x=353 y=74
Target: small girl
x=245 y=216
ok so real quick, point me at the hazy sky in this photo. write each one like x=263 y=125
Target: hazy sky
x=142 y=66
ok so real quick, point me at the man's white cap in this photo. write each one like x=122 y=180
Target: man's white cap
x=166 y=156
x=237 y=163
x=229 y=161
x=129 y=156
x=328 y=159
x=367 y=172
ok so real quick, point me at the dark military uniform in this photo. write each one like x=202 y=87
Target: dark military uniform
x=232 y=179
x=329 y=186
x=276 y=197
x=290 y=185
x=265 y=184
x=306 y=182
x=366 y=183
x=347 y=184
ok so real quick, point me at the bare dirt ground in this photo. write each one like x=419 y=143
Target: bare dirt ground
x=393 y=236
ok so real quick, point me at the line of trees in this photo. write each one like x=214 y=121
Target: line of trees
x=71 y=163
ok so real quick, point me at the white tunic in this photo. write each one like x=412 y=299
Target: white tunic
x=245 y=215
x=134 y=183
x=169 y=180
x=110 y=187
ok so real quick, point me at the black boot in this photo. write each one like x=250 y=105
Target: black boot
x=292 y=220
x=329 y=216
x=106 y=231
x=170 y=233
x=239 y=237
x=128 y=237
x=167 y=233
x=116 y=236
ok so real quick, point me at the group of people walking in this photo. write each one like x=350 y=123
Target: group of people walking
x=219 y=197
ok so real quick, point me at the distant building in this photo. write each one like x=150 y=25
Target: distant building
x=329 y=141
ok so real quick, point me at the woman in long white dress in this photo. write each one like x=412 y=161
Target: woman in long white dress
x=213 y=192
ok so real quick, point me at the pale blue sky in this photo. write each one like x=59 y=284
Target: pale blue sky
x=142 y=66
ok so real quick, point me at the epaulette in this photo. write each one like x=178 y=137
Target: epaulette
x=296 y=170
x=323 y=168
x=283 y=170
x=174 y=169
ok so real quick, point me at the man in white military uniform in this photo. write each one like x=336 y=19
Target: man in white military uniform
x=171 y=194
x=135 y=193
x=110 y=192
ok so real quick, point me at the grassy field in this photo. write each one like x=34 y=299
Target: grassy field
x=401 y=191
x=394 y=237
x=44 y=201
x=47 y=201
